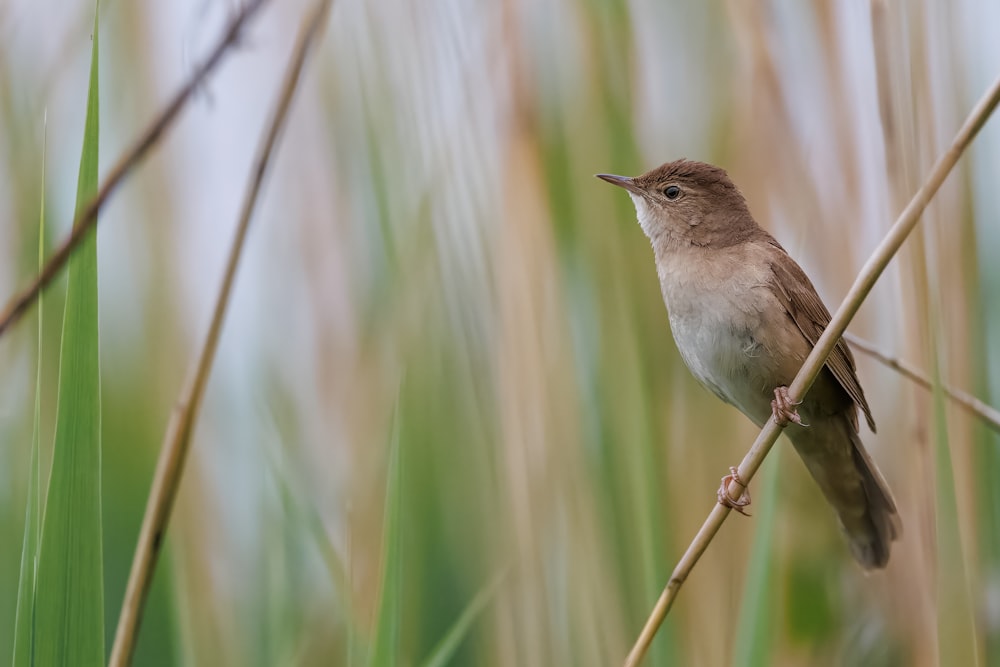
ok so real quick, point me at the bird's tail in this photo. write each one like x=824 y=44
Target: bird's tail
x=854 y=486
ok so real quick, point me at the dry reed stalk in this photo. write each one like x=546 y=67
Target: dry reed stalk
x=970 y=403
x=166 y=479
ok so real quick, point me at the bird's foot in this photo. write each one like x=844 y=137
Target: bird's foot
x=726 y=500
x=783 y=408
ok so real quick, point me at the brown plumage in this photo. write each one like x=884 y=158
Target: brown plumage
x=744 y=316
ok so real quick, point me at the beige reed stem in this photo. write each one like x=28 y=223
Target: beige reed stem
x=177 y=440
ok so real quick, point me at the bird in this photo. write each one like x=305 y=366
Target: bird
x=744 y=317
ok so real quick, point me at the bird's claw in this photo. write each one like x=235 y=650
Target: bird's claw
x=726 y=500
x=783 y=408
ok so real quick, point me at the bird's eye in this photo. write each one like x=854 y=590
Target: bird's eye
x=672 y=192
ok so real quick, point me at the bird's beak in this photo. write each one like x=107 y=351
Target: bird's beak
x=620 y=181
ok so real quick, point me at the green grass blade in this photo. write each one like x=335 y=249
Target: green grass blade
x=385 y=642
x=957 y=633
x=449 y=644
x=958 y=643
x=755 y=631
x=24 y=620
x=70 y=593
x=304 y=520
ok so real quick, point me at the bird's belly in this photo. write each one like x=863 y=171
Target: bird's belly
x=732 y=360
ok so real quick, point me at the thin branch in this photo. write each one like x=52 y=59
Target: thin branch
x=987 y=413
x=817 y=358
x=87 y=218
x=177 y=440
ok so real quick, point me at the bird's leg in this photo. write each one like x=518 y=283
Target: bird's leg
x=784 y=409
x=723 y=493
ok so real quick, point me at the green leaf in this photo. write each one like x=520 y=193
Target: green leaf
x=70 y=592
x=24 y=621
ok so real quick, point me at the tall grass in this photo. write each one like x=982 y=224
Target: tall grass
x=69 y=588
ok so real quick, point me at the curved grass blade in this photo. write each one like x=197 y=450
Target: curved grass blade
x=385 y=642
x=70 y=592
x=445 y=649
x=305 y=519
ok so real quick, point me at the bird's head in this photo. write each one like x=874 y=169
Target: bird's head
x=688 y=203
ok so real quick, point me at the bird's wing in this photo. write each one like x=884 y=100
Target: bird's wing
x=798 y=296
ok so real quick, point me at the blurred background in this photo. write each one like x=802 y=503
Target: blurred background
x=447 y=398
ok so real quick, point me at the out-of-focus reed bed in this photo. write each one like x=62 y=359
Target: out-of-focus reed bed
x=448 y=375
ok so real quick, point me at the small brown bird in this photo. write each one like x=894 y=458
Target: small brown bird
x=745 y=317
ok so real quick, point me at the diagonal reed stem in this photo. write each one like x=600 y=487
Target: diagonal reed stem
x=87 y=218
x=863 y=284
x=970 y=403
x=177 y=439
